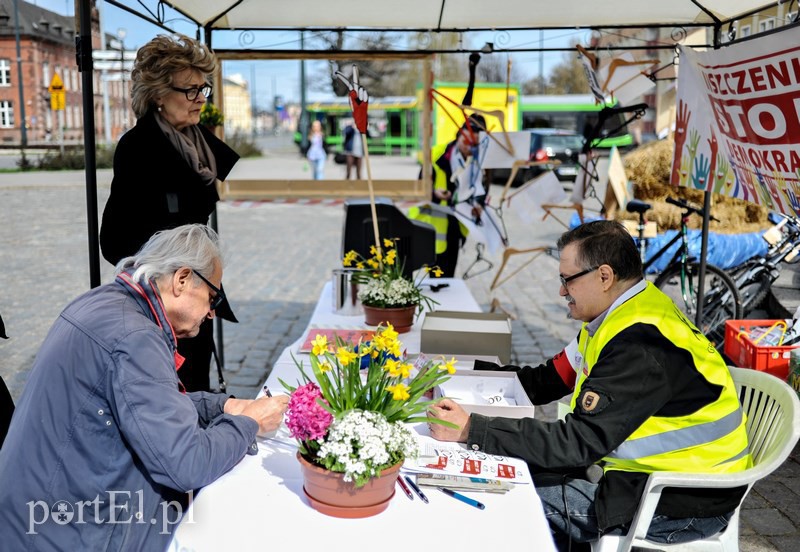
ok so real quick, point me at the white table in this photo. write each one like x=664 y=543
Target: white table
x=259 y=504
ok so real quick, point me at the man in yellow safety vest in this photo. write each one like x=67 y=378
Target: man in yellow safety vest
x=649 y=393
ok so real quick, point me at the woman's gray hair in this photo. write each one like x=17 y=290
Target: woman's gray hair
x=157 y=62
x=195 y=246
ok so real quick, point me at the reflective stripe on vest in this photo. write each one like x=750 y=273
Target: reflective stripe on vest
x=678 y=439
x=437 y=219
x=713 y=439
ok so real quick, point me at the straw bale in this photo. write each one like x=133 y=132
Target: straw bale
x=649 y=168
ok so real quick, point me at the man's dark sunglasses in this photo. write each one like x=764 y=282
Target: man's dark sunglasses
x=220 y=295
x=194 y=91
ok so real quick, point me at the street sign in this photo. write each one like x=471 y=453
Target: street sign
x=58 y=96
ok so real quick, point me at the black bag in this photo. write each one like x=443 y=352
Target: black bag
x=339 y=158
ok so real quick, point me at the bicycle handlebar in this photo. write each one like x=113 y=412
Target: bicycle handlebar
x=690 y=209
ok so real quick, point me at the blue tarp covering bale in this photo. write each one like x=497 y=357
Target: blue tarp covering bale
x=724 y=250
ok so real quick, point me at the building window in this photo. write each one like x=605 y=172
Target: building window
x=5 y=72
x=6 y=114
x=46 y=73
x=745 y=31
x=766 y=25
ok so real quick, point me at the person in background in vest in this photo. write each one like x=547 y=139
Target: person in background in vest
x=167 y=167
x=638 y=371
x=447 y=160
x=103 y=431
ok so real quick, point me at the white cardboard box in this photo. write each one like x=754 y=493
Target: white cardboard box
x=467 y=333
x=488 y=393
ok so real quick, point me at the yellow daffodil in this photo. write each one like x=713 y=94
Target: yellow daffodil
x=438 y=272
x=394 y=348
x=373 y=263
x=325 y=367
x=360 y=265
x=393 y=367
x=405 y=370
x=390 y=256
x=319 y=345
x=345 y=356
x=387 y=243
x=389 y=332
x=399 y=392
x=449 y=365
x=349 y=258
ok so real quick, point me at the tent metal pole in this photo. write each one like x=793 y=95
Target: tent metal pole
x=215 y=225
x=83 y=44
x=701 y=278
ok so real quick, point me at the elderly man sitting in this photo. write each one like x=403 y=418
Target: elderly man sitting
x=105 y=448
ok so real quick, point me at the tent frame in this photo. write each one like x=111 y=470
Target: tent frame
x=85 y=65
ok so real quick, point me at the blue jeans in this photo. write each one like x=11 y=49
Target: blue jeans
x=582 y=523
x=318 y=166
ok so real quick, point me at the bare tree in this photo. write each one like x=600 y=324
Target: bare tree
x=568 y=77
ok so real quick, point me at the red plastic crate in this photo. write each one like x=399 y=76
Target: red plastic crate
x=741 y=350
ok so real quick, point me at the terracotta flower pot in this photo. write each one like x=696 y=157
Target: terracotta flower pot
x=329 y=494
x=402 y=318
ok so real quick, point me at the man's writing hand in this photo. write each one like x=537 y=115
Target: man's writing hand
x=449 y=411
x=267 y=412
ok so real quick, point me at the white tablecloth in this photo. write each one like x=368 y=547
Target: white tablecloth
x=259 y=504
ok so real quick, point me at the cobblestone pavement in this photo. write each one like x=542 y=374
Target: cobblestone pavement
x=280 y=254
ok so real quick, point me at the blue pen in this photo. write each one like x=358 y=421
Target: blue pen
x=462 y=498
x=416 y=489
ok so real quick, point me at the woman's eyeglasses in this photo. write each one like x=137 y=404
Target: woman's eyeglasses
x=194 y=91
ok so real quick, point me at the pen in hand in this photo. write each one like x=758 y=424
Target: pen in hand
x=405 y=488
x=267 y=392
x=462 y=498
x=413 y=485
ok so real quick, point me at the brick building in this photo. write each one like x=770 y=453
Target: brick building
x=47 y=48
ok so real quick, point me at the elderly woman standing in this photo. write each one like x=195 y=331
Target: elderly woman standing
x=166 y=169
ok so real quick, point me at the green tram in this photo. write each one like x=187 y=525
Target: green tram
x=393 y=123
x=576 y=112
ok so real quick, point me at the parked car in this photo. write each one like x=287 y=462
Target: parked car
x=548 y=144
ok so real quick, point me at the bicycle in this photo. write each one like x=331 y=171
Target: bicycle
x=755 y=277
x=679 y=280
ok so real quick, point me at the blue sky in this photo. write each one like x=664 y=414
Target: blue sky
x=283 y=77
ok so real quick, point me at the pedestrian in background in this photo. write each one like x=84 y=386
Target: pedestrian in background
x=317 y=150
x=167 y=167
x=354 y=150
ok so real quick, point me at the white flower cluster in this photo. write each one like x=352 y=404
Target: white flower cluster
x=389 y=293
x=363 y=443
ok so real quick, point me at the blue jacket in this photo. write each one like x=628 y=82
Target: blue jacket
x=103 y=447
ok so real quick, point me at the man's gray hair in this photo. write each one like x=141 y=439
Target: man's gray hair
x=193 y=245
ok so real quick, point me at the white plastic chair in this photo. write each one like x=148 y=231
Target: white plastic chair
x=773 y=429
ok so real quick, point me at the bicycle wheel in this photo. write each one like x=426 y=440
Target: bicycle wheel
x=721 y=300
x=755 y=290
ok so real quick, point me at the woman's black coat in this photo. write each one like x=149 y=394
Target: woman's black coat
x=154 y=189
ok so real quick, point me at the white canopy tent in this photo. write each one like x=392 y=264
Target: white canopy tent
x=457 y=14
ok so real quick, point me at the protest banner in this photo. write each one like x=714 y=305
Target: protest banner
x=737 y=129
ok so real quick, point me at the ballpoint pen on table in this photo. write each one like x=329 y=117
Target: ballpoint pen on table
x=416 y=489
x=462 y=498
x=405 y=488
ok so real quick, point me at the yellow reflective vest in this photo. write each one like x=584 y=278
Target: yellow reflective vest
x=431 y=213
x=710 y=440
